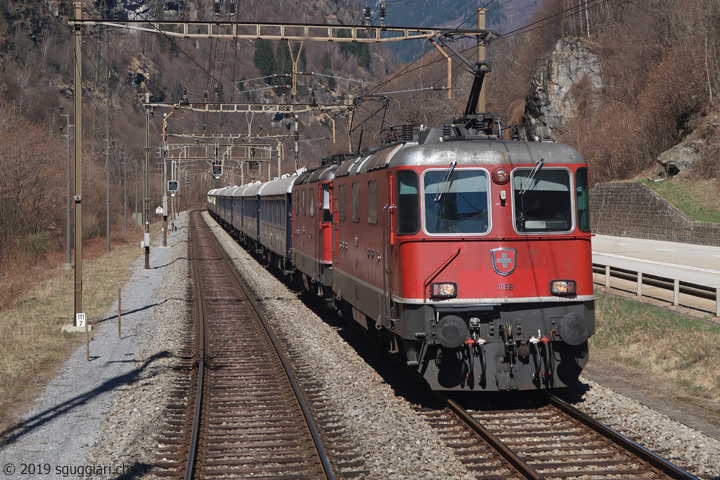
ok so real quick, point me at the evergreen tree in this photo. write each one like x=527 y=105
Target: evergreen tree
x=283 y=62
x=302 y=61
x=326 y=69
x=264 y=58
x=361 y=51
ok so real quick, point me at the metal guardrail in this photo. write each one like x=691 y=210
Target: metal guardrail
x=667 y=283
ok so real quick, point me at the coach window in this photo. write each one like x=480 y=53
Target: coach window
x=542 y=200
x=356 y=201
x=408 y=203
x=455 y=201
x=372 y=202
x=326 y=214
x=341 y=202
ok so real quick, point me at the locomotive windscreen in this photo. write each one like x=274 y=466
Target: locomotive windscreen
x=542 y=200
x=455 y=201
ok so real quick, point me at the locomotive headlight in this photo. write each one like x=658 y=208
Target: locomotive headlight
x=500 y=176
x=563 y=287
x=443 y=290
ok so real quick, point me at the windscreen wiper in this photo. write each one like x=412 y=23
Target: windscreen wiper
x=444 y=180
x=528 y=180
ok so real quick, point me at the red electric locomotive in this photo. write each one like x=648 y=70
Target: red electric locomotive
x=312 y=234
x=469 y=256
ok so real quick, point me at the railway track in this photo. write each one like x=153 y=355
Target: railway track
x=546 y=439
x=530 y=441
x=248 y=417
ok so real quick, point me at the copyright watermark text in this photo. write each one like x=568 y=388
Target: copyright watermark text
x=39 y=469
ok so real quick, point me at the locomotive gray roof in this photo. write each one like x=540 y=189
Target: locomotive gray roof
x=319 y=174
x=279 y=186
x=464 y=152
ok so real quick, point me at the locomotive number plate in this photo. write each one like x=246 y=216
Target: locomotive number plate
x=505 y=287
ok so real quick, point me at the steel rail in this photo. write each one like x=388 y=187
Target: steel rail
x=286 y=366
x=641 y=452
x=511 y=457
x=200 y=315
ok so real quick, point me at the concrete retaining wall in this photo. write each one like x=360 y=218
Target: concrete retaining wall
x=631 y=209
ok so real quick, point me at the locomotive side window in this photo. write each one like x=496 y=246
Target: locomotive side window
x=312 y=202
x=326 y=214
x=542 y=200
x=341 y=202
x=455 y=201
x=583 y=196
x=372 y=202
x=356 y=201
x=408 y=203
x=302 y=203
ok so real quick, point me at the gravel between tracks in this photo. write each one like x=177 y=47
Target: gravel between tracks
x=394 y=440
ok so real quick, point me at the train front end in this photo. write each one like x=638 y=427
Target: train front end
x=491 y=270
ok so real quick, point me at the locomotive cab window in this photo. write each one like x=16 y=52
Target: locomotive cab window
x=583 y=195
x=455 y=201
x=542 y=199
x=408 y=203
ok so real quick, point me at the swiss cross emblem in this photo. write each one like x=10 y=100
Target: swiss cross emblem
x=503 y=260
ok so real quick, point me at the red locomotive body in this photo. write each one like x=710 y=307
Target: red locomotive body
x=468 y=257
x=471 y=257
x=312 y=235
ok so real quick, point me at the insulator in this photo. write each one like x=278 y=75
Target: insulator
x=446 y=130
x=216 y=7
x=407 y=132
x=232 y=8
x=205 y=94
x=382 y=13
x=368 y=13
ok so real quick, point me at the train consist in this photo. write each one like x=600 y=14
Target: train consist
x=465 y=255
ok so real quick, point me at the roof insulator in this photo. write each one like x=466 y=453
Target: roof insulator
x=368 y=14
x=407 y=132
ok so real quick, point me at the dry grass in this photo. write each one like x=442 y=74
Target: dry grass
x=673 y=347
x=32 y=347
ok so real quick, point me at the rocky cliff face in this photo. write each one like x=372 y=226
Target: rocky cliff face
x=570 y=76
